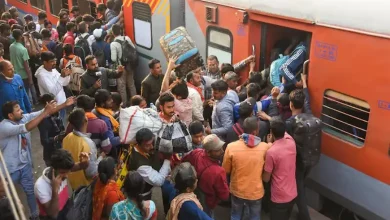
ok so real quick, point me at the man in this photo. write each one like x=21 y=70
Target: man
x=61 y=25
x=15 y=144
x=167 y=106
x=27 y=19
x=231 y=79
x=68 y=37
x=243 y=161
x=83 y=29
x=245 y=111
x=41 y=21
x=196 y=130
x=212 y=181
x=151 y=85
x=15 y=15
x=47 y=43
x=106 y=12
x=300 y=103
x=194 y=81
x=51 y=189
x=223 y=110
x=50 y=81
x=75 y=12
x=97 y=77
x=78 y=141
x=280 y=168
x=12 y=87
x=96 y=127
x=126 y=86
x=103 y=99
x=145 y=160
x=5 y=39
x=19 y=58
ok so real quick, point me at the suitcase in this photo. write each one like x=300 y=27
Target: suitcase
x=178 y=43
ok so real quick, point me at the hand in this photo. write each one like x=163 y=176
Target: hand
x=251 y=59
x=102 y=154
x=172 y=63
x=263 y=116
x=70 y=101
x=120 y=68
x=84 y=157
x=55 y=181
x=275 y=92
x=98 y=84
x=211 y=102
x=299 y=84
x=270 y=138
x=50 y=107
x=66 y=72
x=207 y=130
x=238 y=88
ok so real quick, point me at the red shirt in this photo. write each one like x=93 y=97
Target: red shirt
x=280 y=162
x=69 y=38
x=211 y=177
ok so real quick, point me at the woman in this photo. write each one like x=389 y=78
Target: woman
x=184 y=203
x=54 y=34
x=106 y=192
x=134 y=207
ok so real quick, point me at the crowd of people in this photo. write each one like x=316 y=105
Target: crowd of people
x=241 y=135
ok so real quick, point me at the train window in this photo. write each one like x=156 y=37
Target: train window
x=41 y=4
x=345 y=117
x=142 y=22
x=55 y=8
x=220 y=44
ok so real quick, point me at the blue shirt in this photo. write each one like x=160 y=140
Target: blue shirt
x=294 y=64
x=14 y=91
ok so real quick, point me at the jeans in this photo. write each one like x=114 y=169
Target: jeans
x=25 y=178
x=253 y=207
x=63 y=115
x=281 y=211
x=300 y=175
x=30 y=90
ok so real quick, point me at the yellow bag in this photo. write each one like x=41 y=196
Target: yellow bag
x=122 y=165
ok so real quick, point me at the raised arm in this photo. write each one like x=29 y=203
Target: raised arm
x=167 y=76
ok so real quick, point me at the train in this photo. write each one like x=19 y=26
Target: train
x=347 y=43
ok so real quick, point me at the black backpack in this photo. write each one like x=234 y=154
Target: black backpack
x=307 y=133
x=81 y=207
x=129 y=54
x=81 y=49
x=99 y=54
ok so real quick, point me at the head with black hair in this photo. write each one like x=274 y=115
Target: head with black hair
x=220 y=88
x=75 y=11
x=252 y=90
x=212 y=64
x=48 y=25
x=196 y=130
x=101 y=8
x=85 y=102
x=46 y=98
x=68 y=49
x=6 y=16
x=78 y=19
x=184 y=178
x=5 y=30
x=116 y=101
x=31 y=26
x=7 y=69
x=63 y=16
x=78 y=120
x=116 y=30
x=225 y=68
x=180 y=90
x=17 y=35
x=278 y=127
x=167 y=104
x=16 y=27
x=251 y=125
x=46 y=34
x=194 y=78
x=134 y=186
x=103 y=99
x=246 y=109
x=110 y=4
x=49 y=60
x=28 y=18
x=62 y=163
x=284 y=100
x=11 y=110
x=138 y=100
x=42 y=16
x=14 y=12
x=92 y=64
x=155 y=67
x=88 y=18
x=96 y=25
x=107 y=170
x=145 y=140
x=297 y=100
x=83 y=27
x=70 y=26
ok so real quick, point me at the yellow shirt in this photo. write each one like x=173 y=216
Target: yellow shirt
x=245 y=166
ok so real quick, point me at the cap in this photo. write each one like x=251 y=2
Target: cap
x=212 y=142
x=231 y=76
x=98 y=33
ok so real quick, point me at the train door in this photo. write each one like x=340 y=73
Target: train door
x=86 y=6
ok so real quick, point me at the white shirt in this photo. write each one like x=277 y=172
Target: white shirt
x=91 y=39
x=116 y=48
x=154 y=177
x=52 y=82
x=197 y=104
x=43 y=189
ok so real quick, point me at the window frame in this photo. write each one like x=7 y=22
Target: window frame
x=148 y=20
x=23 y=1
x=50 y=9
x=337 y=132
x=36 y=7
x=218 y=46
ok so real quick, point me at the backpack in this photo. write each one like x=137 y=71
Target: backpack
x=31 y=45
x=129 y=54
x=82 y=203
x=307 y=133
x=81 y=49
x=99 y=54
x=75 y=76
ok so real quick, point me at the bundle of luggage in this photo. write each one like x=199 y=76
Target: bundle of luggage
x=178 y=43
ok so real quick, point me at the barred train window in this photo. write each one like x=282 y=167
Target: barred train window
x=345 y=117
x=220 y=44
x=142 y=20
